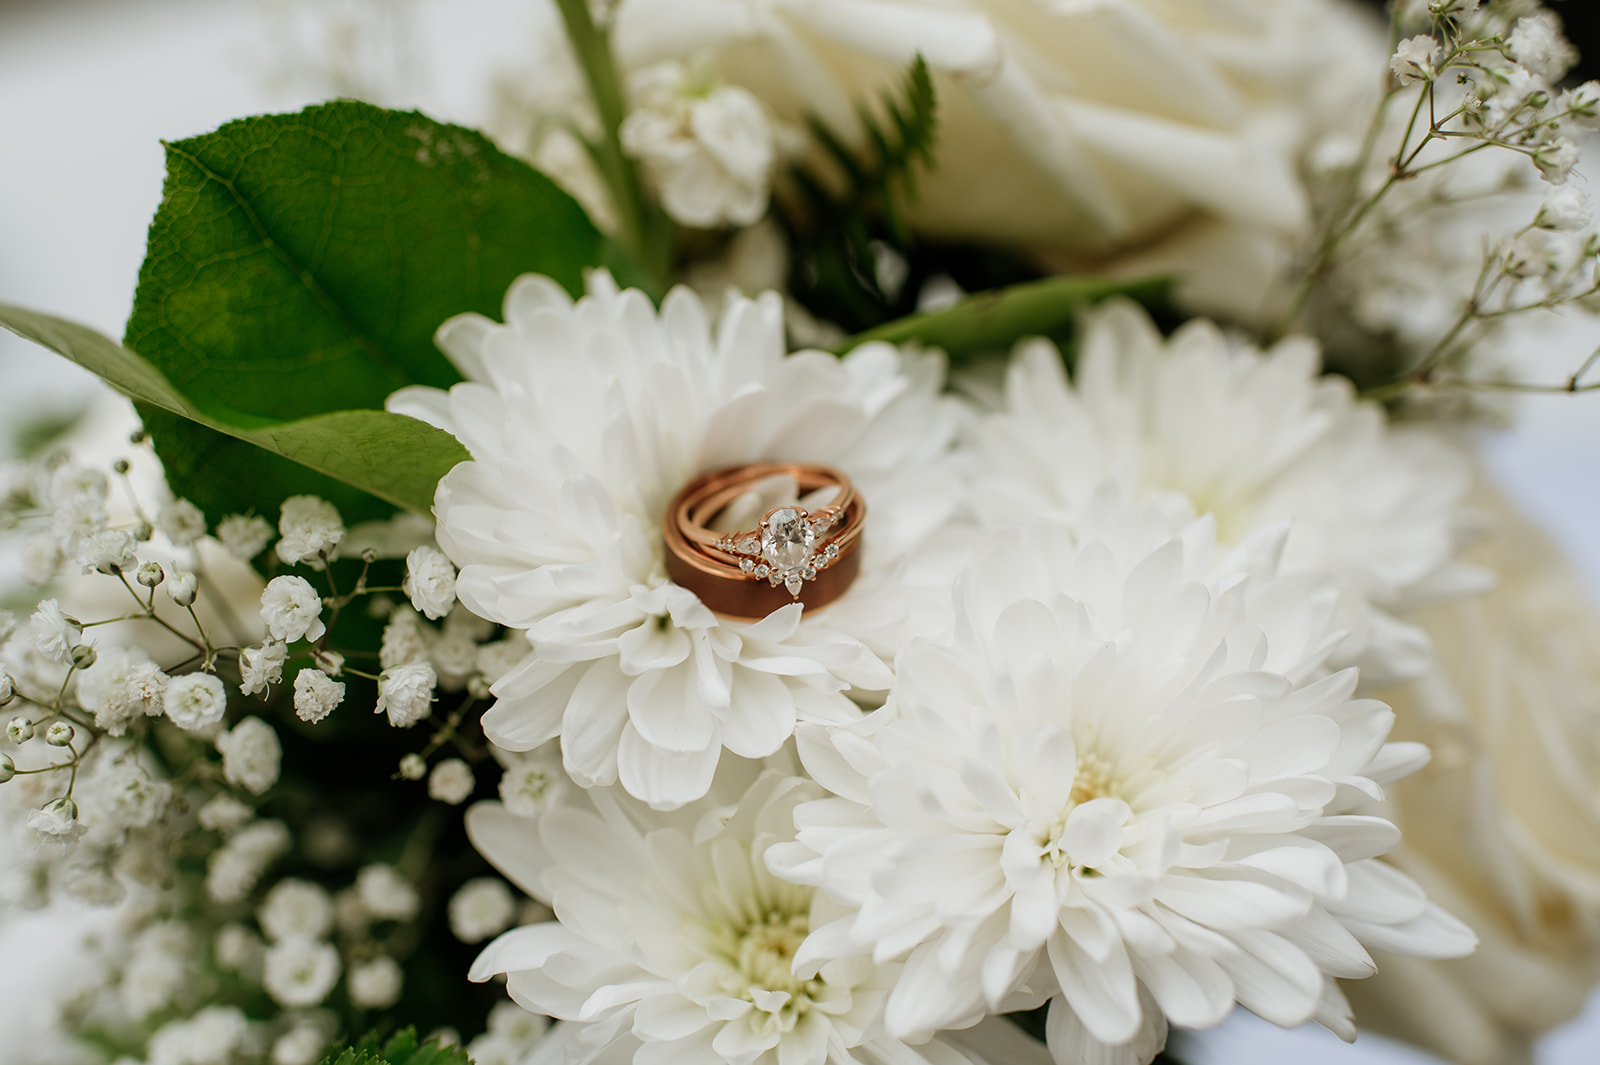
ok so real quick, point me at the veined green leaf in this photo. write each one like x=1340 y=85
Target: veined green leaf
x=395 y=458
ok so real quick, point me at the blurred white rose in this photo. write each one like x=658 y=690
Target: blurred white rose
x=1078 y=128
x=1503 y=828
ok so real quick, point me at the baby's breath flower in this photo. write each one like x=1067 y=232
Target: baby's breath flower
x=251 y=755
x=19 y=729
x=300 y=971
x=483 y=907
x=330 y=662
x=236 y=948
x=292 y=610
x=84 y=655
x=405 y=693
x=301 y=1045
x=151 y=574
x=54 y=634
x=1582 y=104
x=233 y=869
x=261 y=667
x=1538 y=44
x=1556 y=159
x=309 y=527
x=1415 y=59
x=224 y=813
x=413 y=766
x=8 y=690
x=296 y=908
x=430 y=582
x=59 y=734
x=57 y=823
x=451 y=782
x=385 y=894
x=96 y=885
x=158 y=966
x=194 y=700
x=107 y=551
x=244 y=536
x=8 y=768
x=183 y=587
x=1565 y=208
x=405 y=640
x=316 y=695
x=496 y=659
x=181 y=522
x=533 y=783
x=375 y=984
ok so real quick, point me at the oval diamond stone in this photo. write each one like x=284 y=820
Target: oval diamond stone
x=787 y=540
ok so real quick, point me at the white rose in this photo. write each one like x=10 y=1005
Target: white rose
x=1078 y=128
x=1503 y=827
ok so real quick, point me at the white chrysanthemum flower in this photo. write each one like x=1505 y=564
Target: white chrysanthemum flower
x=194 y=700
x=451 y=782
x=1254 y=440
x=300 y=971
x=682 y=942
x=405 y=693
x=316 y=695
x=251 y=755
x=386 y=894
x=309 y=528
x=583 y=421
x=707 y=148
x=483 y=907
x=261 y=667
x=292 y=609
x=375 y=984
x=244 y=536
x=181 y=522
x=54 y=633
x=1118 y=786
x=296 y=908
x=430 y=582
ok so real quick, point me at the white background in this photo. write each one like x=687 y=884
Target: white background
x=89 y=88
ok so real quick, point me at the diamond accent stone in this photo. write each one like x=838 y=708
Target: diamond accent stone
x=762 y=571
x=793 y=582
x=750 y=545
x=747 y=564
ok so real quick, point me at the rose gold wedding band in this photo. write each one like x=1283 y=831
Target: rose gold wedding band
x=809 y=556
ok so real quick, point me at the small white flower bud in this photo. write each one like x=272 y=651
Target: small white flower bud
x=151 y=574
x=143 y=531
x=19 y=730
x=8 y=690
x=413 y=766
x=183 y=587
x=1416 y=59
x=59 y=734
x=8 y=768
x=83 y=655
x=120 y=467
x=330 y=662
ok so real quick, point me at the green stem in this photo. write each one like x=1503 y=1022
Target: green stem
x=644 y=234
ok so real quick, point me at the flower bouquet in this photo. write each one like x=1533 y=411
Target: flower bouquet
x=875 y=533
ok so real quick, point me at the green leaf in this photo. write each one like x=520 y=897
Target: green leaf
x=401 y=1049
x=394 y=458
x=987 y=321
x=299 y=265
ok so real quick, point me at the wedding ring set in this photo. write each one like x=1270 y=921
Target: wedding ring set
x=793 y=555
